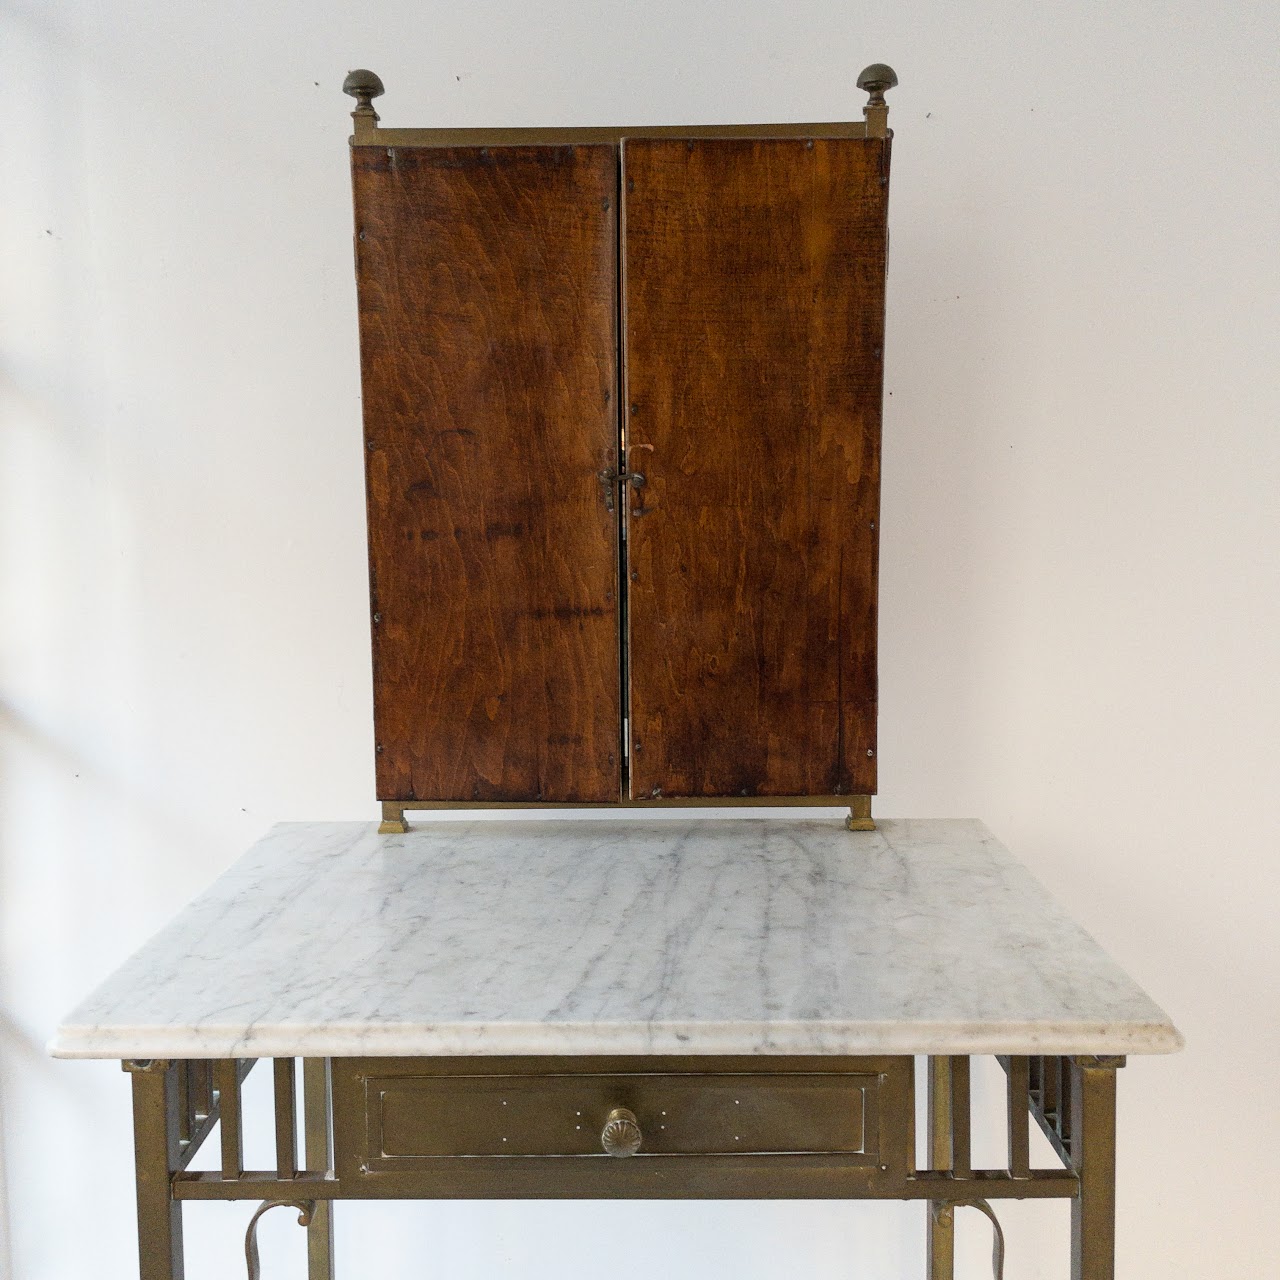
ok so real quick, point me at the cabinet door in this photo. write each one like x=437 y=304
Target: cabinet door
x=487 y=283
x=753 y=281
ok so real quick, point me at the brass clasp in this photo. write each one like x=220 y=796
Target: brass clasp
x=609 y=477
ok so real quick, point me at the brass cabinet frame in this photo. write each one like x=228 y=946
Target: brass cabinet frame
x=1072 y=1099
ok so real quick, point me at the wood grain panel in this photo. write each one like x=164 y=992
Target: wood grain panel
x=754 y=319
x=487 y=280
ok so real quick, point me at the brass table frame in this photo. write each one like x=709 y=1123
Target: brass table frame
x=177 y=1104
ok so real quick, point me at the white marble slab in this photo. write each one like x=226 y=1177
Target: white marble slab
x=655 y=936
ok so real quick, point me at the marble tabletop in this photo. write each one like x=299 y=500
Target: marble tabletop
x=663 y=935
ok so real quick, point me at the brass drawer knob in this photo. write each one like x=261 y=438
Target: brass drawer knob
x=621 y=1134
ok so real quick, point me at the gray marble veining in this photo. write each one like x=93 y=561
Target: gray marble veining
x=670 y=935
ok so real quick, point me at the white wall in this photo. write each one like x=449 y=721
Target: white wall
x=1079 y=601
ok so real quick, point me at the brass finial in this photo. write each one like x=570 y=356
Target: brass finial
x=874 y=80
x=363 y=86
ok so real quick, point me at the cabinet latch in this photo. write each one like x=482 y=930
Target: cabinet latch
x=609 y=477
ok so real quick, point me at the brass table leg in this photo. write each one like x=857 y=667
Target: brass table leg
x=941 y=1228
x=155 y=1144
x=1093 y=1155
x=315 y=1098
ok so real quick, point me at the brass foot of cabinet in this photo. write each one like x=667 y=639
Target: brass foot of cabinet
x=859 y=818
x=393 y=821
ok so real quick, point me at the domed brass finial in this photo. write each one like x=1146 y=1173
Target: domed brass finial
x=363 y=86
x=874 y=80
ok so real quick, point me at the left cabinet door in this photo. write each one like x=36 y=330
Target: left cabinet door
x=488 y=293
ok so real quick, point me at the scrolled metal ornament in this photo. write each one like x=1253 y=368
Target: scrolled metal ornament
x=305 y=1208
x=943 y=1214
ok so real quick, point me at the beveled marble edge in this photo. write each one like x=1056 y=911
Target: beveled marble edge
x=864 y=937
x=640 y=1039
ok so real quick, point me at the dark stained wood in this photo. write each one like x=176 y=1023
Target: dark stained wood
x=488 y=300
x=754 y=323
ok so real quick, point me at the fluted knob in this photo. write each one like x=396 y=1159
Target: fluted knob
x=621 y=1134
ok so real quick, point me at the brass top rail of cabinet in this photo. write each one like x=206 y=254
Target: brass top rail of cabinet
x=363 y=85
x=370 y=135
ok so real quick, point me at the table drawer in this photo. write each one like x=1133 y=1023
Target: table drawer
x=401 y=1117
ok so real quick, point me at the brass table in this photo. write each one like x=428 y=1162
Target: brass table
x=653 y=1008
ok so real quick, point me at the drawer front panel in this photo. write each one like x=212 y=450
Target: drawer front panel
x=512 y=1116
x=711 y=1127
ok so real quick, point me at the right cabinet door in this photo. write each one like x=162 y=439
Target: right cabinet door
x=753 y=331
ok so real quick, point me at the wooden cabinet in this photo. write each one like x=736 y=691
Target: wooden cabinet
x=622 y=396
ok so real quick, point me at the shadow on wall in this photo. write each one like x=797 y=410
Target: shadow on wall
x=15 y=1046
x=944 y=344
